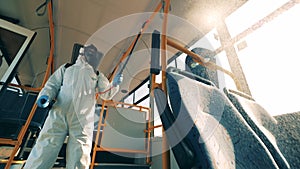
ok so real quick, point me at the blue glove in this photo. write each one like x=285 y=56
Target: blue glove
x=117 y=80
x=43 y=101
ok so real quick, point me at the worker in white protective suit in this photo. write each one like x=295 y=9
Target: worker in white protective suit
x=72 y=114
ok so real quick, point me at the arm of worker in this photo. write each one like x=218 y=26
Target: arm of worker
x=51 y=88
x=106 y=89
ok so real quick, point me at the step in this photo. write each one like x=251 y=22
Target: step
x=16 y=164
x=120 y=166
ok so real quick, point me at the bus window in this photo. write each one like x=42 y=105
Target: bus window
x=269 y=57
x=237 y=23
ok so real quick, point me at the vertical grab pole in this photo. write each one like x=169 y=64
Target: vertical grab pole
x=165 y=146
x=164 y=44
x=154 y=70
x=155 y=53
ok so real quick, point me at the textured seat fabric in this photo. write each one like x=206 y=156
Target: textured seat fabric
x=205 y=130
x=260 y=121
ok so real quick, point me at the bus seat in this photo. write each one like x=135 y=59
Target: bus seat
x=40 y=114
x=11 y=103
x=15 y=107
x=259 y=120
x=14 y=110
x=202 y=70
x=207 y=132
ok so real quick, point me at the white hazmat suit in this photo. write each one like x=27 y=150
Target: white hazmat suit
x=72 y=114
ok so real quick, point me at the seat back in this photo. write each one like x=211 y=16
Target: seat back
x=11 y=105
x=205 y=130
x=260 y=121
x=15 y=108
x=40 y=113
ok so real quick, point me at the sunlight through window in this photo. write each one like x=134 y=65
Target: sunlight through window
x=271 y=56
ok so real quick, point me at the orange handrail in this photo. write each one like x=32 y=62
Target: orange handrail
x=137 y=37
x=33 y=89
x=199 y=59
x=97 y=135
x=152 y=128
x=99 y=147
x=24 y=128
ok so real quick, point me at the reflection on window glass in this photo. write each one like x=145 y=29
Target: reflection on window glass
x=181 y=61
x=141 y=92
x=172 y=64
x=14 y=41
x=157 y=121
x=144 y=103
x=129 y=99
x=3 y=67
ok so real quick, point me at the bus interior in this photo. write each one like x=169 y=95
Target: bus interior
x=207 y=83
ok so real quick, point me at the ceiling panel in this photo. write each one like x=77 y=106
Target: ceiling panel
x=77 y=21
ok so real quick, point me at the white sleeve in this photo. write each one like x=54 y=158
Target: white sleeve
x=105 y=88
x=53 y=84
